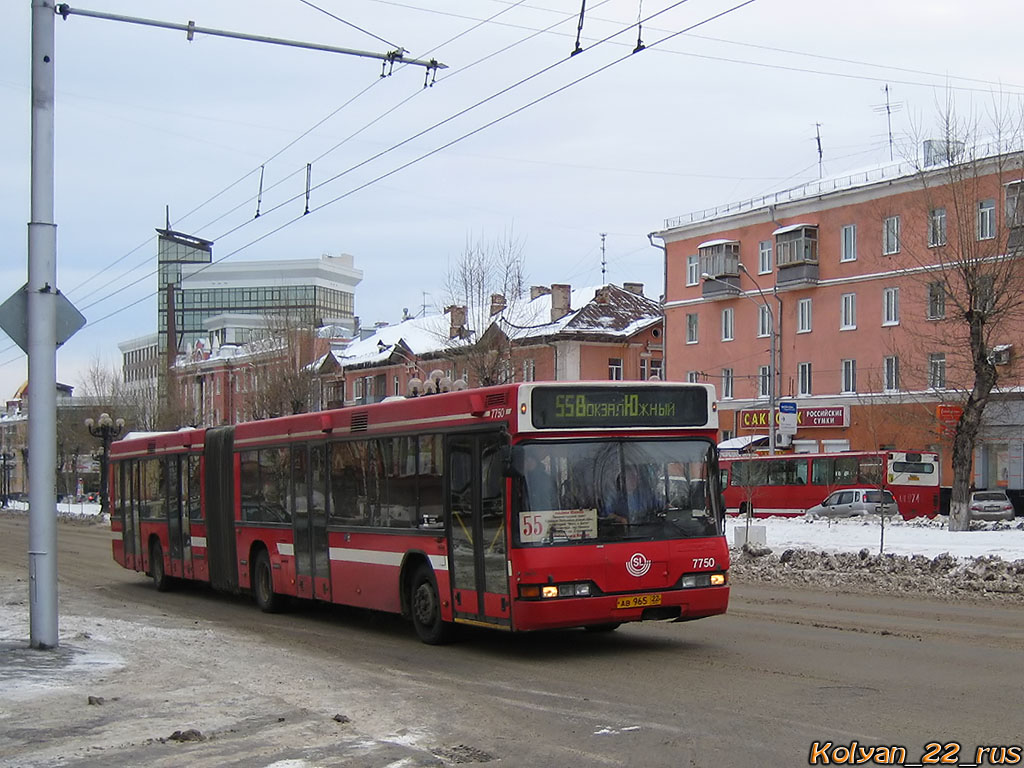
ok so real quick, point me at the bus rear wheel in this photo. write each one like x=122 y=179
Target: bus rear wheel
x=267 y=599
x=426 y=608
x=161 y=580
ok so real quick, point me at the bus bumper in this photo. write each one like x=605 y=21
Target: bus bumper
x=675 y=605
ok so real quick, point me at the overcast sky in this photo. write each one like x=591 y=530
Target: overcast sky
x=727 y=111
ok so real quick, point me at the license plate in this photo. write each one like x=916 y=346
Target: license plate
x=638 y=601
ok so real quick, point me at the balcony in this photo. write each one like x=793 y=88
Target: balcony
x=796 y=255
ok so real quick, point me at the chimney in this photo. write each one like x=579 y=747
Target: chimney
x=637 y=288
x=458 y=321
x=603 y=295
x=560 y=293
x=538 y=290
x=497 y=303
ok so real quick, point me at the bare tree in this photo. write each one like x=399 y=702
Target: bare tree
x=487 y=280
x=281 y=375
x=971 y=274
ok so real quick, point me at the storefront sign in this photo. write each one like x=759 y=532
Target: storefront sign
x=819 y=416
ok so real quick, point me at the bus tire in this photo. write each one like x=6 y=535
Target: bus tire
x=266 y=598
x=161 y=580
x=602 y=627
x=425 y=607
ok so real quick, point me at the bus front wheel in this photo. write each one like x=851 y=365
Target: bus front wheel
x=267 y=599
x=426 y=608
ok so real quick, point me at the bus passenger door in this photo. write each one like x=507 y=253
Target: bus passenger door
x=179 y=538
x=477 y=553
x=309 y=521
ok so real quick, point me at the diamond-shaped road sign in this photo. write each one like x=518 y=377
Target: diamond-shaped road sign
x=14 y=318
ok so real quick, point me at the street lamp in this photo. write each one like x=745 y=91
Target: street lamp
x=773 y=336
x=5 y=478
x=106 y=429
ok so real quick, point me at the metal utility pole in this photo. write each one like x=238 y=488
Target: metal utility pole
x=42 y=342
x=38 y=318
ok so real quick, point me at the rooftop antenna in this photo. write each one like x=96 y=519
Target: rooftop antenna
x=817 y=128
x=167 y=217
x=604 y=263
x=889 y=107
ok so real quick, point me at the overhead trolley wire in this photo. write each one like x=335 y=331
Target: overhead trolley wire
x=463 y=136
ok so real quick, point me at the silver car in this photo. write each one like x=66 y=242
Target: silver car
x=852 y=502
x=990 y=505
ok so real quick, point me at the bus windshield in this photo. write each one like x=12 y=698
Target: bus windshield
x=575 y=492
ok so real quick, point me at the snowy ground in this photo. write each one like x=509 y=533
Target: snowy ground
x=915 y=557
x=920 y=536
x=919 y=556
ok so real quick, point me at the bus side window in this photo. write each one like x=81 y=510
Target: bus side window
x=431 y=508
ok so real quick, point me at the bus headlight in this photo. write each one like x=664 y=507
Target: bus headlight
x=547 y=591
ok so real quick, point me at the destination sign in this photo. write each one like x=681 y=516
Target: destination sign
x=580 y=406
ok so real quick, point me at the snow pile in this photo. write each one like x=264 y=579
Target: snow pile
x=919 y=557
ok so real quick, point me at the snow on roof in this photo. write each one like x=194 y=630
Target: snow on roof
x=604 y=309
x=712 y=243
x=420 y=335
x=845 y=181
x=791 y=228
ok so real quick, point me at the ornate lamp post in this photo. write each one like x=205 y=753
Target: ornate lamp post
x=106 y=429
x=6 y=460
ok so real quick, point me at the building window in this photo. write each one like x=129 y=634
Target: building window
x=764 y=381
x=692 y=267
x=891 y=236
x=727 y=324
x=937 y=371
x=764 y=321
x=691 y=328
x=396 y=390
x=643 y=369
x=764 y=257
x=849 y=376
x=848 y=312
x=936 y=301
x=986 y=219
x=936 y=227
x=803 y=316
x=656 y=369
x=1015 y=204
x=804 y=371
x=891 y=306
x=798 y=246
x=891 y=373
x=727 y=383
x=693 y=376
x=848 y=243
x=615 y=368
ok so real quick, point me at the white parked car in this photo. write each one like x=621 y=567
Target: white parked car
x=852 y=502
x=990 y=505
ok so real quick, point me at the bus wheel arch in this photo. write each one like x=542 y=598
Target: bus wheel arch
x=425 y=607
x=261 y=580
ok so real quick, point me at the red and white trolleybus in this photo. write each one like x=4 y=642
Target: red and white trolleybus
x=790 y=484
x=519 y=507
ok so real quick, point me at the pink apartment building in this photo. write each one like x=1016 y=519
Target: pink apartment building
x=845 y=275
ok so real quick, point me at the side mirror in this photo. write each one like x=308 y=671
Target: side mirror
x=507 y=469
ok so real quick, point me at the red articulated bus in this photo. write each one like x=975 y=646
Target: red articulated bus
x=790 y=484
x=520 y=507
